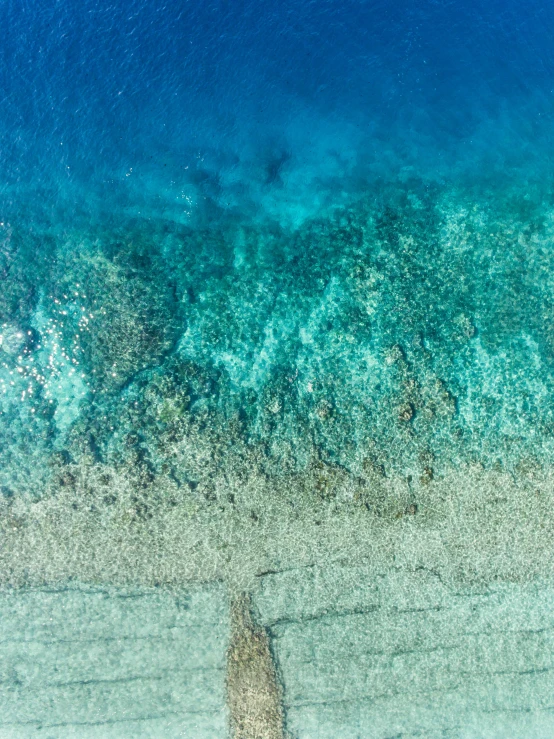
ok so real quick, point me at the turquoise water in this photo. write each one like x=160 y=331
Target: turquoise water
x=329 y=230
x=406 y=332
x=276 y=293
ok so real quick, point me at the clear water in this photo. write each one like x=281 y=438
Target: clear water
x=276 y=292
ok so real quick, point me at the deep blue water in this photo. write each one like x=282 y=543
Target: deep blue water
x=128 y=96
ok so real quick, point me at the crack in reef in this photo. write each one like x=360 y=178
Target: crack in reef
x=254 y=695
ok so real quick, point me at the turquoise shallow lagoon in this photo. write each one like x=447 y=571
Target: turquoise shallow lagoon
x=276 y=370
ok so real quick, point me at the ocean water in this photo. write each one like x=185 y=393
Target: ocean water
x=276 y=296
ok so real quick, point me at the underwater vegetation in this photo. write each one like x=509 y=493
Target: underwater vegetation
x=248 y=370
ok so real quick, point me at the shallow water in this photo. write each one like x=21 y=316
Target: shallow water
x=276 y=294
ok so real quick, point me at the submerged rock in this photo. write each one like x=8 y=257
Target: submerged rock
x=12 y=339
